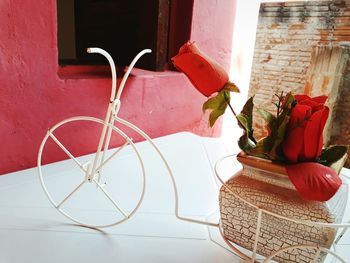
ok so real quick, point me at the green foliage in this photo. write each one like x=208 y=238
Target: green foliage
x=231 y=87
x=277 y=126
x=217 y=105
x=277 y=139
x=269 y=118
x=332 y=154
x=260 y=149
x=248 y=111
x=247 y=141
x=268 y=147
x=287 y=105
x=243 y=121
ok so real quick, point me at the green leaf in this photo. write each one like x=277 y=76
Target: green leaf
x=245 y=118
x=286 y=105
x=288 y=99
x=243 y=122
x=260 y=149
x=248 y=106
x=278 y=138
x=248 y=111
x=269 y=146
x=266 y=144
x=226 y=96
x=333 y=154
x=212 y=103
x=271 y=120
x=245 y=143
x=214 y=115
x=231 y=87
x=218 y=105
x=218 y=102
x=266 y=115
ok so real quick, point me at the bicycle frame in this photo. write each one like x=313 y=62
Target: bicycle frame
x=112 y=111
x=112 y=116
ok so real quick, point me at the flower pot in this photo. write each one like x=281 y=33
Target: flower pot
x=265 y=185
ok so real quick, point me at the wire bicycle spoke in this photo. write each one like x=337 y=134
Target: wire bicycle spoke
x=98 y=169
x=111 y=199
x=66 y=151
x=70 y=194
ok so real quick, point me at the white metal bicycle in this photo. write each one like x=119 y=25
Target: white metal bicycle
x=92 y=170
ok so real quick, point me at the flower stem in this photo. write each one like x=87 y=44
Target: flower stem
x=233 y=111
x=228 y=103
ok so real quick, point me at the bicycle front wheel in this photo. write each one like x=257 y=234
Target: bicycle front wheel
x=101 y=200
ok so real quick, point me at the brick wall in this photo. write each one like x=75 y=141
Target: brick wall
x=286 y=37
x=341 y=124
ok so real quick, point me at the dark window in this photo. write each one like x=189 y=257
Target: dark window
x=123 y=28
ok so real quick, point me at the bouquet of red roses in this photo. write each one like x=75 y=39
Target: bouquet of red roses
x=295 y=131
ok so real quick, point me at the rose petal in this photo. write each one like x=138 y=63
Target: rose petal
x=314 y=105
x=314 y=181
x=205 y=74
x=301 y=97
x=320 y=99
x=298 y=115
x=292 y=145
x=313 y=136
x=189 y=47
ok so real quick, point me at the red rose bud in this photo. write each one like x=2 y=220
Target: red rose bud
x=304 y=136
x=314 y=181
x=205 y=74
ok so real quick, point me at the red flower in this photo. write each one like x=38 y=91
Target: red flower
x=304 y=137
x=204 y=73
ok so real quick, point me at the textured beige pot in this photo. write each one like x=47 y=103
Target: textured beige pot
x=266 y=185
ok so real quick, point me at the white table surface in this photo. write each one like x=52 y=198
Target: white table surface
x=31 y=230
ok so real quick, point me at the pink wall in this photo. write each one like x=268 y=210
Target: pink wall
x=33 y=97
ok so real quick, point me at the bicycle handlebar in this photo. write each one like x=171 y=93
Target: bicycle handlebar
x=114 y=74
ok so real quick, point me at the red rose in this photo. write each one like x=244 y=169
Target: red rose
x=204 y=73
x=304 y=136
